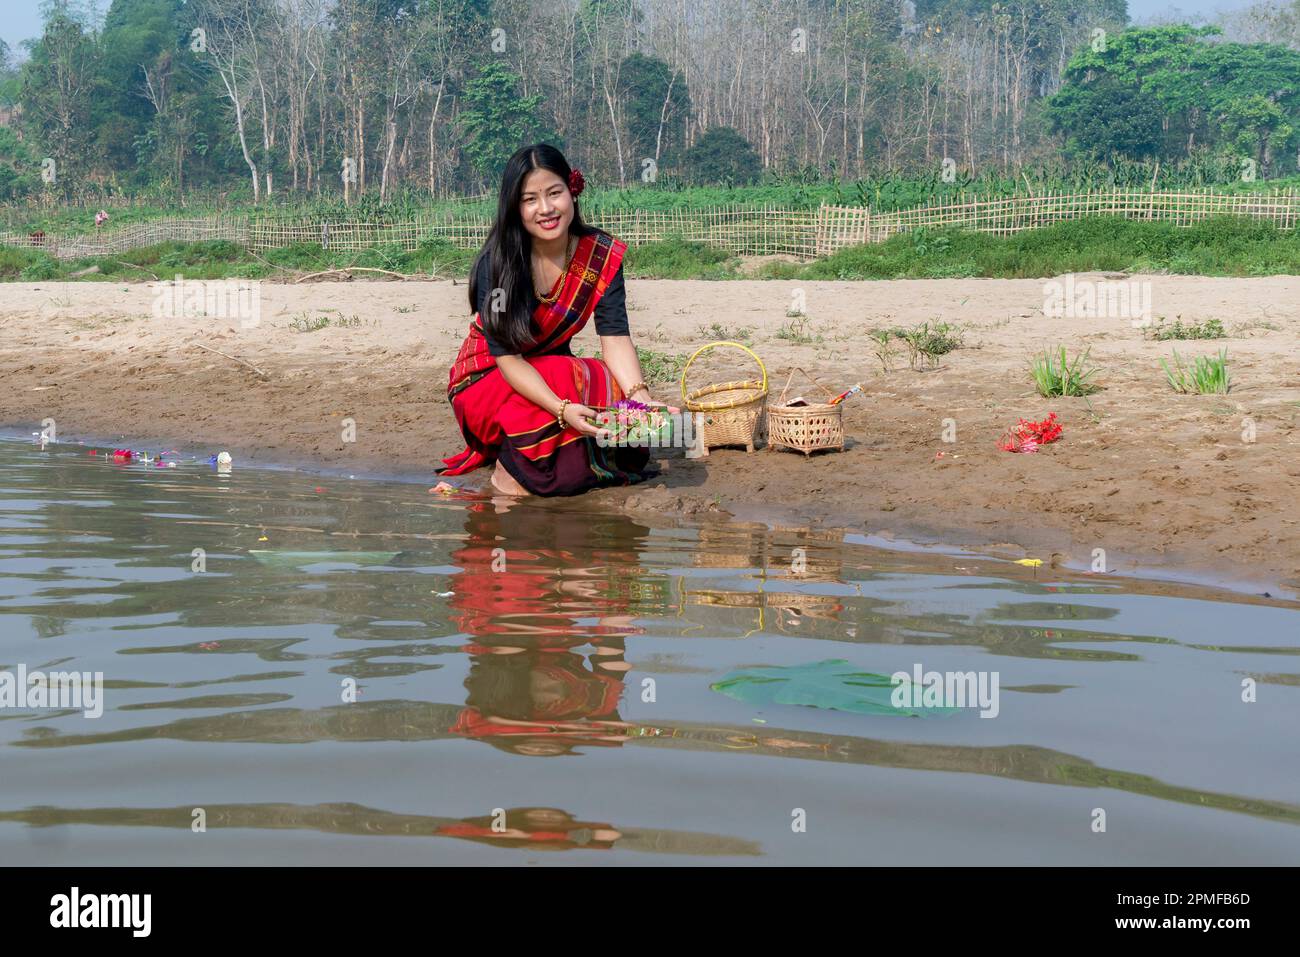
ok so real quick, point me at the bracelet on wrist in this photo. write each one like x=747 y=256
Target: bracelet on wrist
x=559 y=416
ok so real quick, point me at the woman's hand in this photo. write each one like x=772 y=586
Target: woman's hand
x=576 y=416
x=655 y=404
x=643 y=396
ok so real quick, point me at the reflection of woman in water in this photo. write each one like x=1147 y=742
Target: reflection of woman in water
x=529 y=577
x=536 y=828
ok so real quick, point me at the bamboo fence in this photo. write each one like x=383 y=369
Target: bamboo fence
x=121 y=240
x=802 y=234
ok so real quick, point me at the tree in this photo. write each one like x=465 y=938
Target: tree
x=434 y=94
x=655 y=100
x=137 y=36
x=1108 y=118
x=226 y=26
x=1252 y=95
x=496 y=120
x=57 y=88
x=19 y=169
x=723 y=156
x=1244 y=99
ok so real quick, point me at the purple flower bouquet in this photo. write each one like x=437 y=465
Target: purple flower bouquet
x=635 y=423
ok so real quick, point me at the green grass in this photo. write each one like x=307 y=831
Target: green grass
x=789 y=189
x=676 y=258
x=1225 y=246
x=1207 y=375
x=1209 y=329
x=1221 y=247
x=219 y=259
x=1055 y=375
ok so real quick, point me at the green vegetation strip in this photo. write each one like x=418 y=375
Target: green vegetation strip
x=1226 y=246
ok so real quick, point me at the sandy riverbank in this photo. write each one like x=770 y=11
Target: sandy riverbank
x=1163 y=482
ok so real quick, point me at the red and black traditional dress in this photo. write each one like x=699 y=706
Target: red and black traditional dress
x=500 y=424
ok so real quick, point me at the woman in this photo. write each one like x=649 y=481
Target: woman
x=521 y=398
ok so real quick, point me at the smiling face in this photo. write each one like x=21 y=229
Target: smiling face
x=545 y=205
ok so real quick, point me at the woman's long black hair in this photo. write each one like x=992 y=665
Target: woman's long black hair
x=509 y=248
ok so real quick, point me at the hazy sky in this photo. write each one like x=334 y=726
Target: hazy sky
x=21 y=19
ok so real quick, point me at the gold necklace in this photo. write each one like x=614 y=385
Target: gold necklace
x=551 y=297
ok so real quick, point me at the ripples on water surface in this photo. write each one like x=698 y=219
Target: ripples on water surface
x=525 y=689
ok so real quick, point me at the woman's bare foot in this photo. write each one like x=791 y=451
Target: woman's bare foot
x=505 y=483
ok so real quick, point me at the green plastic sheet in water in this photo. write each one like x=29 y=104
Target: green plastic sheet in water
x=835 y=685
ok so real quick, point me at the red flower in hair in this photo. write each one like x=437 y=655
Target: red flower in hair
x=576 y=183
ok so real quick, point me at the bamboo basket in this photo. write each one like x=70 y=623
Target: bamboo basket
x=805 y=428
x=729 y=412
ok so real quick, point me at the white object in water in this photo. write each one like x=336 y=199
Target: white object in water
x=223 y=458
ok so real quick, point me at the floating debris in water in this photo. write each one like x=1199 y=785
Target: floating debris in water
x=835 y=685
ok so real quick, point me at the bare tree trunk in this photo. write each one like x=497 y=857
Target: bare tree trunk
x=433 y=125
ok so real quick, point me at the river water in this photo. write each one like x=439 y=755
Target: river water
x=300 y=669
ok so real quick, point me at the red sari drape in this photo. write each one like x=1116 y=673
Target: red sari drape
x=500 y=424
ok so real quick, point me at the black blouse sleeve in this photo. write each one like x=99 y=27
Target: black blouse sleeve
x=611 y=310
x=495 y=348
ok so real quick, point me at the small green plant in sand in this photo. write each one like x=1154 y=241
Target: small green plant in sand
x=1055 y=375
x=305 y=323
x=660 y=366
x=926 y=343
x=718 y=331
x=1206 y=375
x=1209 y=329
x=883 y=344
x=796 y=330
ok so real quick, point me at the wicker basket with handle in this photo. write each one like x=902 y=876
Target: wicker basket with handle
x=805 y=428
x=728 y=413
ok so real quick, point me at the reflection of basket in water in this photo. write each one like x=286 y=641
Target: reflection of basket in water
x=772 y=552
x=810 y=606
x=814 y=606
x=727 y=413
x=730 y=546
x=820 y=556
